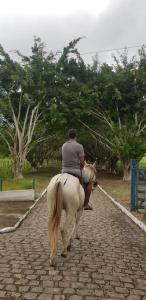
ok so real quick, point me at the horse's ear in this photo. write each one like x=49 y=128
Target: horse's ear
x=85 y=163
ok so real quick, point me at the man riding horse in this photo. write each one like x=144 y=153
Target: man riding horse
x=73 y=163
x=65 y=192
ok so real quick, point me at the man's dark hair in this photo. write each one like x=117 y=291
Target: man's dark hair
x=72 y=133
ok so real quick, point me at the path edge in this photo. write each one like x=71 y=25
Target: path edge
x=124 y=210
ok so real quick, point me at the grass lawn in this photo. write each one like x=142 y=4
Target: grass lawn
x=42 y=178
x=41 y=183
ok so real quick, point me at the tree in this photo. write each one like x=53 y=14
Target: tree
x=19 y=111
x=121 y=140
x=75 y=89
x=18 y=134
x=48 y=149
x=121 y=112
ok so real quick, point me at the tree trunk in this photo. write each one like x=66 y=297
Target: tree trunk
x=126 y=171
x=34 y=169
x=17 y=169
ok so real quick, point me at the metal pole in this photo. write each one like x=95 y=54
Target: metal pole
x=134 y=183
x=1 y=184
x=33 y=183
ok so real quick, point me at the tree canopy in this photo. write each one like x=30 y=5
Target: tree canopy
x=105 y=103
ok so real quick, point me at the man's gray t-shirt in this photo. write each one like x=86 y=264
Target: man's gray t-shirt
x=71 y=153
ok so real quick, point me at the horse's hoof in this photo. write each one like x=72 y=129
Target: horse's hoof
x=64 y=255
x=52 y=263
x=69 y=248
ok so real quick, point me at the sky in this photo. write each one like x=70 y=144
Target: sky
x=104 y=24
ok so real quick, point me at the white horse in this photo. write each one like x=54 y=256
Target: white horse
x=65 y=192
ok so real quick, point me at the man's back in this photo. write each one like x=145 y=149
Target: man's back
x=72 y=160
x=71 y=153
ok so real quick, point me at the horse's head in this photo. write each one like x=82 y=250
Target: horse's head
x=90 y=169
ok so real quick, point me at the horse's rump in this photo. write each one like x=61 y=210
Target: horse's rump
x=72 y=191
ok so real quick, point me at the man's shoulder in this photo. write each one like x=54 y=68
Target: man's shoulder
x=65 y=143
x=79 y=145
x=79 y=148
x=74 y=144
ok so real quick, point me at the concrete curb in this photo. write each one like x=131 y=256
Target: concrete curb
x=124 y=210
x=13 y=228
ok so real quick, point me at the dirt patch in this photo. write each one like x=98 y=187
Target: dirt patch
x=7 y=220
x=11 y=212
x=119 y=190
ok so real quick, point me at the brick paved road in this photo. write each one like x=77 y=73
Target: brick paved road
x=109 y=261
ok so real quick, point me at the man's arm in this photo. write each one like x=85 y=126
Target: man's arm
x=82 y=162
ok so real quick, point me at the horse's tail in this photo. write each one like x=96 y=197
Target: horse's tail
x=56 y=204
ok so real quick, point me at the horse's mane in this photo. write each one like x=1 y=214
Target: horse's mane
x=91 y=167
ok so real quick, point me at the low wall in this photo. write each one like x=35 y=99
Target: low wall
x=17 y=195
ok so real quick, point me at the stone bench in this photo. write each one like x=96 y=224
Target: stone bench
x=17 y=195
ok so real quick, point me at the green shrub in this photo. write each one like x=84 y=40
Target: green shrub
x=142 y=162
x=5 y=173
x=119 y=166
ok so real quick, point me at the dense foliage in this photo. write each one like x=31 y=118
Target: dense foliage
x=106 y=104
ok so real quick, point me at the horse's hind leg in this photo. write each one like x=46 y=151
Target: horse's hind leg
x=52 y=258
x=53 y=251
x=52 y=236
x=79 y=213
x=67 y=233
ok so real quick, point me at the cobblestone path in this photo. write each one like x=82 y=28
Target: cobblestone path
x=108 y=262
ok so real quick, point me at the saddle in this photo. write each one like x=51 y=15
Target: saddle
x=83 y=184
x=79 y=177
